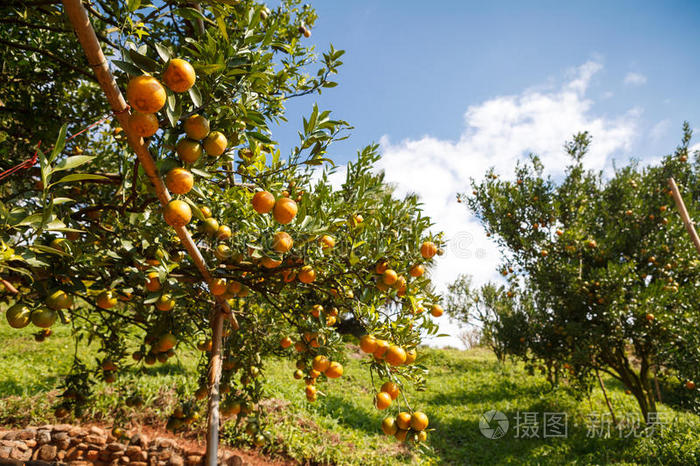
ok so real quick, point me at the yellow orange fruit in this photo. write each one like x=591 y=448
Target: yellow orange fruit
x=165 y=303
x=106 y=300
x=145 y=94
x=334 y=371
x=188 y=151
x=320 y=363
x=217 y=286
x=263 y=202
x=395 y=355
x=286 y=342
x=270 y=263
x=389 y=277
x=428 y=249
x=143 y=125
x=282 y=242
x=417 y=271
x=382 y=400
x=436 y=310
x=419 y=421
x=307 y=274
x=403 y=420
x=44 y=317
x=179 y=76
x=196 y=127
x=223 y=233
x=285 y=210
x=327 y=242
x=381 y=267
x=391 y=388
x=368 y=344
x=381 y=348
x=177 y=213
x=401 y=435
x=153 y=282
x=389 y=426
x=411 y=356
x=179 y=181
x=59 y=299
x=215 y=144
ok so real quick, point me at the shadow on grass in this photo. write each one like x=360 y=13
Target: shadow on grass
x=502 y=391
x=13 y=388
x=349 y=415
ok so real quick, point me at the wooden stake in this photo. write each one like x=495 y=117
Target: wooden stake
x=93 y=51
x=684 y=214
x=605 y=394
x=213 y=418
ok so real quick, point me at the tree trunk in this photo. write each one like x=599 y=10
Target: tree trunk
x=213 y=417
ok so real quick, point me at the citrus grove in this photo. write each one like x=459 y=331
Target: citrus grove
x=601 y=275
x=297 y=267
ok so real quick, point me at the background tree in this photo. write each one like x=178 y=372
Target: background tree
x=611 y=272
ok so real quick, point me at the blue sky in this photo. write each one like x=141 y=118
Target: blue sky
x=454 y=89
x=413 y=68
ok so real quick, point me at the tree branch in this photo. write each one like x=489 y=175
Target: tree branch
x=50 y=55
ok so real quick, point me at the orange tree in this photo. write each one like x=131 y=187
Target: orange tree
x=294 y=262
x=608 y=267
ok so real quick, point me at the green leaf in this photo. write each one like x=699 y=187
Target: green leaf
x=173 y=113
x=62 y=200
x=31 y=220
x=196 y=96
x=222 y=26
x=60 y=143
x=259 y=136
x=72 y=162
x=163 y=52
x=79 y=177
x=133 y=5
x=144 y=62
x=127 y=67
x=202 y=173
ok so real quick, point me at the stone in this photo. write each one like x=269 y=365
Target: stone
x=124 y=460
x=5 y=451
x=62 y=428
x=193 y=460
x=17 y=454
x=234 y=460
x=140 y=440
x=60 y=435
x=176 y=460
x=21 y=445
x=115 y=447
x=164 y=442
x=97 y=431
x=61 y=455
x=76 y=432
x=27 y=434
x=139 y=463
x=10 y=436
x=47 y=452
x=96 y=439
x=82 y=446
x=43 y=437
x=92 y=455
x=74 y=453
x=164 y=455
x=63 y=444
x=80 y=463
x=31 y=443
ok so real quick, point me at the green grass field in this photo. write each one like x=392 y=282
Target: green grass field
x=343 y=427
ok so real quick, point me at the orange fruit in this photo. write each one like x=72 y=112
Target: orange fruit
x=44 y=317
x=389 y=277
x=165 y=343
x=381 y=267
x=206 y=211
x=285 y=210
x=145 y=94
x=411 y=356
x=143 y=125
x=188 y=151
x=153 y=282
x=650 y=317
x=282 y=242
x=368 y=344
x=179 y=76
x=223 y=233
x=215 y=144
x=59 y=299
x=381 y=348
x=18 y=316
x=179 y=181
x=270 y=263
x=300 y=346
x=334 y=371
x=428 y=249
x=314 y=373
x=403 y=420
x=106 y=300
x=392 y=389
x=196 y=127
x=263 y=202
x=320 y=363
x=395 y=355
x=307 y=274
x=165 y=303
x=422 y=436
x=419 y=421
x=389 y=426
x=327 y=242
x=286 y=342
x=217 y=286
x=310 y=390
x=177 y=213
x=316 y=310
x=401 y=435
x=417 y=270
x=690 y=385
x=382 y=400
x=436 y=310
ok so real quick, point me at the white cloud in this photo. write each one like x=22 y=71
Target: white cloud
x=498 y=132
x=635 y=79
x=660 y=129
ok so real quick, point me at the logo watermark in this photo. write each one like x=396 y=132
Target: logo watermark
x=493 y=424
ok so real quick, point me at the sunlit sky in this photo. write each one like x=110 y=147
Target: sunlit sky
x=451 y=88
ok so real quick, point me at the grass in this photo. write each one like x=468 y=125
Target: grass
x=343 y=427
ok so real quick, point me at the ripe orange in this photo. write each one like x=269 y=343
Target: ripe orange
x=389 y=277
x=59 y=299
x=206 y=211
x=223 y=233
x=298 y=374
x=690 y=385
x=368 y=344
x=381 y=267
x=382 y=400
x=417 y=271
x=177 y=213
x=395 y=355
x=44 y=317
x=179 y=76
x=310 y=390
x=403 y=420
x=286 y=342
x=196 y=127
x=215 y=144
x=401 y=435
x=165 y=343
x=327 y=242
x=320 y=363
x=282 y=242
x=422 y=436
x=389 y=426
x=210 y=226
x=179 y=181
x=18 y=316
x=428 y=249
x=650 y=317
x=411 y=356
x=145 y=94
x=285 y=210
x=106 y=300
x=436 y=310
x=419 y=421
x=300 y=346
x=165 y=303
x=270 y=263
x=217 y=286
x=307 y=274
x=143 y=125
x=334 y=371
x=153 y=282
x=188 y=151
x=391 y=388
x=381 y=348
x=263 y=202
x=316 y=310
